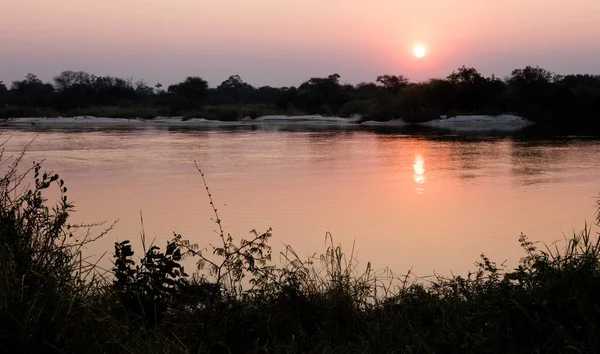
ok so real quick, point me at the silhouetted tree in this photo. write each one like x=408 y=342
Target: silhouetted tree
x=366 y=90
x=143 y=92
x=472 y=92
x=231 y=91
x=265 y=95
x=578 y=97
x=320 y=95
x=466 y=76
x=288 y=98
x=531 y=93
x=233 y=82
x=193 y=88
x=531 y=76
x=74 y=90
x=393 y=83
x=112 y=90
x=31 y=92
x=3 y=93
x=71 y=79
x=439 y=93
x=188 y=94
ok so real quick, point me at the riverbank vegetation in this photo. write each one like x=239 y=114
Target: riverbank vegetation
x=531 y=92
x=235 y=296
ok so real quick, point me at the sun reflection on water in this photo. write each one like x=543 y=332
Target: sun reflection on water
x=419 y=173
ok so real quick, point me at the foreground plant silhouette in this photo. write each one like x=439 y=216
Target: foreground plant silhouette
x=238 y=300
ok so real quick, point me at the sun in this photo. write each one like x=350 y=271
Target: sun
x=419 y=51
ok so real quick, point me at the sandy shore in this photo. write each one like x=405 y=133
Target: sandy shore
x=171 y=121
x=477 y=123
x=474 y=123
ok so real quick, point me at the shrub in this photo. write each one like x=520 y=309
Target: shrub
x=147 y=290
x=43 y=287
x=360 y=107
x=7 y=112
x=224 y=113
x=255 y=111
x=126 y=103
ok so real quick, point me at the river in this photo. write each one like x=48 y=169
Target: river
x=426 y=201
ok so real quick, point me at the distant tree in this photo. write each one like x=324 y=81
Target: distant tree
x=393 y=83
x=74 y=90
x=471 y=92
x=30 y=79
x=70 y=79
x=367 y=88
x=578 y=97
x=232 y=91
x=318 y=94
x=531 y=76
x=439 y=93
x=187 y=95
x=288 y=98
x=31 y=92
x=581 y=82
x=532 y=93
x=265 y=95
x=495 y=94
x=112 y=91
x=468 y=76
x=233 y=82
x=194 y=89
x=3 y=93
x=369 y=91
x=142 y=90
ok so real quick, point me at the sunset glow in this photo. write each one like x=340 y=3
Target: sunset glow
x=284 y=43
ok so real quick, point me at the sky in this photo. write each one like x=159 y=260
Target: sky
x=284 y=42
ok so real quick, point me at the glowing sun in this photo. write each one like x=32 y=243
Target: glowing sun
x=419 y=51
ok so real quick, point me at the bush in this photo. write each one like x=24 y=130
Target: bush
x=225 y=113
x=323 y=110
x=7 y=112
x=51 y=299
x=43 y=290
x=255 y=111
x=126 y=103
x=359 y=107
x=147 y=290
x=222 y=113
x=395 y=110
x=420 y=115
x=383 y=113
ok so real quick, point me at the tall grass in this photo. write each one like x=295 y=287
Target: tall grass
x=239 y=300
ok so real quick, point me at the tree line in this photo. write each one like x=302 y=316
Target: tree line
x=532 y=92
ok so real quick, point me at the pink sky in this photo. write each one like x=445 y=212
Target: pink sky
x=281 y=42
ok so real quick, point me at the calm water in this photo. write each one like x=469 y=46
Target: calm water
x=427 y=202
